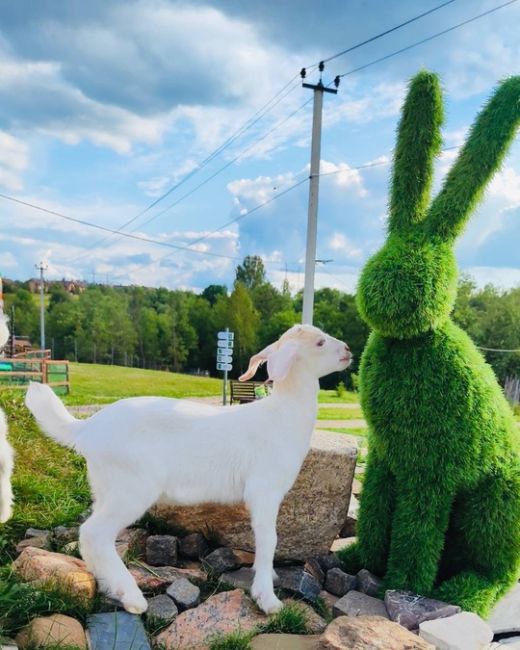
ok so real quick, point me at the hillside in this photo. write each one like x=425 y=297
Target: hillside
x=99 y=384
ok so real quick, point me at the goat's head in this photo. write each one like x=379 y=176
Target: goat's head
x=305 y=346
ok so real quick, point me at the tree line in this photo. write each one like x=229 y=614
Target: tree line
x=177 y=330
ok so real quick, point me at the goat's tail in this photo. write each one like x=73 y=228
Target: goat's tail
x=6 y=469
x=50 y=413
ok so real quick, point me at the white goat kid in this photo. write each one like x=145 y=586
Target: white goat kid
x=146 y=450
x=6 y=452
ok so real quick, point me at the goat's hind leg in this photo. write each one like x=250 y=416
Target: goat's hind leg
x=97 y=544
x=264 y=512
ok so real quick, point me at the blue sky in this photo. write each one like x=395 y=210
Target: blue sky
x=106 y=105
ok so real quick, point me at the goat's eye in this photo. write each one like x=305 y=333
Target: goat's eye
x=321 y=343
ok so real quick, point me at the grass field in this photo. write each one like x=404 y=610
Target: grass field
x=362 y=432
x=97 y=384
x=325 y=413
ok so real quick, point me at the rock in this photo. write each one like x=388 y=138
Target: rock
x=72 y=548
x=184 y=593
x=464 y=631
x=410 y=610
x=285 y=642
x=329 y=600
x=369 y=633
x=131 y=540
x=313 y=567
x=35 y=542
x=62 y=535
x=505 y=617
x=341 y=542
x=357 y=604
x=357 y=487
x=240 y=579
x=221 y=614
x=38 y=565
x=116 y=631
x=338 y=582
x=310 y=516
x=350 y=525
x=31 y=533
x=244 y=558
x=161 y=608
x=222 y=560
x=52 y=631
x=161 y=550
x=368 y=583
x=329 y=561
x=8 y=644
x=157 y=578
x=315 y=623
x=193 y=546
x=298 y=582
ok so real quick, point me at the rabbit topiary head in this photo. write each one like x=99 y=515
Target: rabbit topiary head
x=409 y=286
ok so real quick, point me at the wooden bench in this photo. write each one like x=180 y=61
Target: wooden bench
x=245 y=391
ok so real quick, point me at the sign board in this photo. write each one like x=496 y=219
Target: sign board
x=225 y=344
x=224 y=358
x=224 y=366
x=227 y=336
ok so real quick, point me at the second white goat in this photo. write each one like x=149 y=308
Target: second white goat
x=145 y=450
x=6 y=451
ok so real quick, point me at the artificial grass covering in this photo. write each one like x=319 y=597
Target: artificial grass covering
x=440 y=508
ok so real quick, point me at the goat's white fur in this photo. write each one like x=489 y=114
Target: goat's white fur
x=145 y=450
x=6 y=452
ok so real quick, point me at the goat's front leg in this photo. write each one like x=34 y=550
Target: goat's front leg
x=263 y=506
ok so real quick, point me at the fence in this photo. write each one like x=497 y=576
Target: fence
x=17 y=373
x=512 y=389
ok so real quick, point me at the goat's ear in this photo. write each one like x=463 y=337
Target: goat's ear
x=281 y=360
x=255 y=361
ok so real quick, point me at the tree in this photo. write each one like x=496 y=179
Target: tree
x=251 y=273
x=213 y=291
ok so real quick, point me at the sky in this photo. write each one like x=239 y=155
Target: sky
x=107 y=105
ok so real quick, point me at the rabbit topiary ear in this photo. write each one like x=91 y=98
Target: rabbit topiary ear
x=418 y=142
x=484 y=151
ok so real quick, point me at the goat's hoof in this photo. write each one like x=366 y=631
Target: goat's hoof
x=134 y=604
x=269 y=603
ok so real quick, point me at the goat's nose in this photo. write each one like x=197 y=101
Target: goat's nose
x=347 y=348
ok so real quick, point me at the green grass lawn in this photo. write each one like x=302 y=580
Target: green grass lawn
x=49 y=481
x=332 y=397
x=362 y=432
x=98 y=384
x=340 y=414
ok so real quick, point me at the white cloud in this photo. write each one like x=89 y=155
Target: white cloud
x=382 y=101
x=14 y=159
x=259 y=190
x=340 y=243
x=344 y=176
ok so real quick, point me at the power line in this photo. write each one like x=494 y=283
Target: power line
x=429 y=38
x=245 y=127
x=388 y=31
x=176 y=247
x=497 y=349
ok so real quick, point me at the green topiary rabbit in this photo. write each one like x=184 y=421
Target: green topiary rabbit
x=440 y=509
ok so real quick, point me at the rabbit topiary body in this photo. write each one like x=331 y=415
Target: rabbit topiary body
x=440 y=508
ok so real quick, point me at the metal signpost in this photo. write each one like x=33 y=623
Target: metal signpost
x=225 y=342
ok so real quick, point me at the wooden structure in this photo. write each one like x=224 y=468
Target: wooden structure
x=18 y=372
x=246 y=391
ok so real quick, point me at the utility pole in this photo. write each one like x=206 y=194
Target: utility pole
x=314 y=183
x=42 y=266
